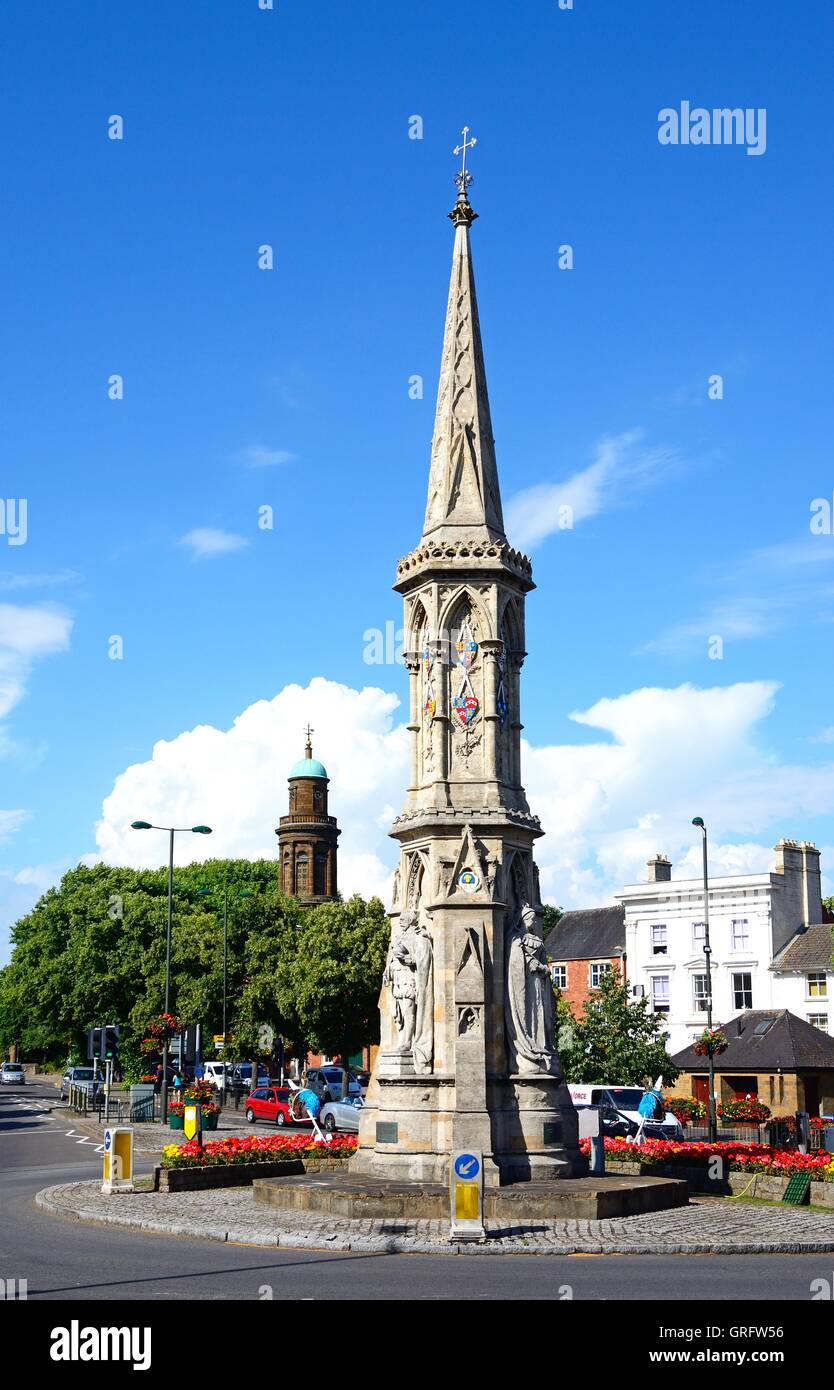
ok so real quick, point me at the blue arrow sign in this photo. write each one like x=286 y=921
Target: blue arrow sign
x=108 y=1136
x=467 y=1166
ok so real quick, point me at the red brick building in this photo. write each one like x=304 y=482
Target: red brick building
x=581 y=947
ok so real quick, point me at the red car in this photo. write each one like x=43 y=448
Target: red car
x=269 y=1103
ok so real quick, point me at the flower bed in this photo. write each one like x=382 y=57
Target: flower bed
x=739 y=1157
x=271 y=1149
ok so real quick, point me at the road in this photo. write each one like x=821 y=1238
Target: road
x=65 y=1259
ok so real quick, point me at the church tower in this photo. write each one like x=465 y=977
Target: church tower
x=467 y=1054
x=307 y=835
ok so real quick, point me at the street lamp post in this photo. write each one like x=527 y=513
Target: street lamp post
x=171 y=831
x=713 y=1123
x=244 y=893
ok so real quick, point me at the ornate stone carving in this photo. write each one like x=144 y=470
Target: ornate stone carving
x=409 y=975
x=530 y=1011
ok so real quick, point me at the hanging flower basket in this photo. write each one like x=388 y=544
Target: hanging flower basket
x=160 y=1030
x=711 y=1043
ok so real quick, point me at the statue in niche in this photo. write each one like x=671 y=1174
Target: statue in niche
x=529 y=1006
x=410 y=976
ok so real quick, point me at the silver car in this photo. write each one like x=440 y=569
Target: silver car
x=12 y=1074
x=341 y=1115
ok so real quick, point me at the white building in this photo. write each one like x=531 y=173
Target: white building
x=771 y=948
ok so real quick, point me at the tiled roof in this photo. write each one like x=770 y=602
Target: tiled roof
x=810 y=949
x=788 y=1042
x=588 y=934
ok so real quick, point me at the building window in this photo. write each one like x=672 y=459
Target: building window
x=660 y=994
x=292 y=798
x=559 y=976
x=699 y=935
x=742 y=990
x=320 y=888
x=596 y=972
x=317 y=797
x=659 y=940
x=699 y=993
x=741 y=935
x=300 y=874
x=819 y=1021
x=816 y=985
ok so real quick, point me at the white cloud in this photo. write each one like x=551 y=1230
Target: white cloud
x=764 y=591
x=670 y=754
x=607 y=806
x=204 y=542
x=825 y=736
x=10 y=579
x=26 y=635
x=620 y=467
x=235 y=780
x=10 y=823
x=256 y=456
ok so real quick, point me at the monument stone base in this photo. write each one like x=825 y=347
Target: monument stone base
x=356 y=1196
x=527 y=1130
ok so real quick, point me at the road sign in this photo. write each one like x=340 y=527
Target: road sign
x=117 y=1175
x=466 y=1196
x=192 y=1122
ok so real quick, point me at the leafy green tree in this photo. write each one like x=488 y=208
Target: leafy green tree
x=331 y=982
x=617 y=1040
x=93 y=951
x=550 y=917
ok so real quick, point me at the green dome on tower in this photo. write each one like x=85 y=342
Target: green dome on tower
x=308 y=767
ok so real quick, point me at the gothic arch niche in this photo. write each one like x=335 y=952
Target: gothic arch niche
x=286 y=875
x=511 y=628
x=415 y=869
x=464 y=629
x=302 y=867
x=519 y=888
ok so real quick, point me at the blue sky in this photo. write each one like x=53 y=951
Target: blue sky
x=289 y=387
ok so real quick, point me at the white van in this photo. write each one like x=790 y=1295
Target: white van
x=619 y=1110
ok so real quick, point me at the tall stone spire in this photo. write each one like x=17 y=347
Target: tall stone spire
x=467 y=1055
x=464 y=496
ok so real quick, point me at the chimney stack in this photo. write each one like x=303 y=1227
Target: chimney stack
x=811 y=884
x=660 y=869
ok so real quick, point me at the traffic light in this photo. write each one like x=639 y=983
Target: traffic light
x=103 y=1043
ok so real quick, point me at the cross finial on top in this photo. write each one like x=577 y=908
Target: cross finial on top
x=464 y=179
x=309 y=747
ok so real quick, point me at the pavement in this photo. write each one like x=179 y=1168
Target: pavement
x=232 y=1216
x=70 y=1259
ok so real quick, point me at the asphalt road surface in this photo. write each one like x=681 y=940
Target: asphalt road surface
x=66 y=1259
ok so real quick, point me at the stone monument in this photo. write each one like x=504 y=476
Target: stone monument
x=467 y=1056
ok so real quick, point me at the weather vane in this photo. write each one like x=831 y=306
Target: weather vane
x=463 y=179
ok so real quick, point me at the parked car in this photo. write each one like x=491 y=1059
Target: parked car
x=327 y=1083
x=12 y=1074
x=341 y=1115
x=270 y=1103
x=78 y=1076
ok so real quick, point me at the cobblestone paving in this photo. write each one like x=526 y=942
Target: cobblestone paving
x=706 y=1227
